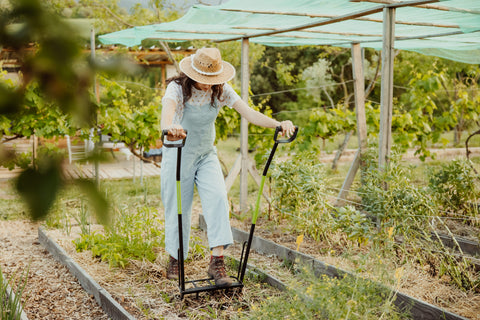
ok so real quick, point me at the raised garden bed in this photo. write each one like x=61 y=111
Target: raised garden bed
x=416 y=308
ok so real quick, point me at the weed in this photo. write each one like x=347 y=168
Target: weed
x=353 y=223
x=83 y=218
x=197 y=249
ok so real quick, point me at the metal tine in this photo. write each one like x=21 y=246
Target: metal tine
x=241 y=259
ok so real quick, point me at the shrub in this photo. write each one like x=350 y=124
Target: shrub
x=299 y=194
x=453 y=185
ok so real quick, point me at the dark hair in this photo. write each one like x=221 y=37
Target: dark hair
x=186 y=83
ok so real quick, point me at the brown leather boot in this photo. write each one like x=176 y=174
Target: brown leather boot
x=172 y=269
x=216 y=270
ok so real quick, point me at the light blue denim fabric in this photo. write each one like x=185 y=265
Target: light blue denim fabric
x=200 y=167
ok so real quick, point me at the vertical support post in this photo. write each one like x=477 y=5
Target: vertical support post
x=244 y=129
x=359 y=90
x=359 y=87
x=95 y=89
x=386 y=103
x=34 y=150
x=141 y=168
x=133 y=169
x=164 y=77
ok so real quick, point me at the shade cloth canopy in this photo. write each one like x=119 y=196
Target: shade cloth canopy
x=448 y=28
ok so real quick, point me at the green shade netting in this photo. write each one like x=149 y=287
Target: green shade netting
x=449 y=28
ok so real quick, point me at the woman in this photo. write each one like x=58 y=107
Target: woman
x=192 y=101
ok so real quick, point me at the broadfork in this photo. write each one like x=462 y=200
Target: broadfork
x=207 y=284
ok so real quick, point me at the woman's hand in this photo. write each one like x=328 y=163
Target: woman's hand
x=287 y=128
x=175 y=133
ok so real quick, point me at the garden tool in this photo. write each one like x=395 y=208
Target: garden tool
x=208 y=284
x=245 y=252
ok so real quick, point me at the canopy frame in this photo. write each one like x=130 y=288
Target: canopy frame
x=388 y=7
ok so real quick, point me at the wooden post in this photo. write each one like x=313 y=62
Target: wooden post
x=34 y=150
x=243 y=164
x=359 y=79
x=359 y=89
x=244 y=130
x=386 y=103
x=164 y=77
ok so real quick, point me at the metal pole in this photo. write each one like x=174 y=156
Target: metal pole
x=141 y=168
x=244 y=130
x=386 y=106
x=95 y=90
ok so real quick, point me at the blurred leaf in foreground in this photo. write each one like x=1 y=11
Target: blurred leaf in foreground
x=39 y=186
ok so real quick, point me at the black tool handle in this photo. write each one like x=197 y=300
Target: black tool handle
x=172 y=144
x=275 y=137
x=279 y=129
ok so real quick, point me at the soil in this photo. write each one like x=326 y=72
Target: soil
x=52 y=293
x=142 y=289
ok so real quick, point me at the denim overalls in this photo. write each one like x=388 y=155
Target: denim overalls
x=201 y=168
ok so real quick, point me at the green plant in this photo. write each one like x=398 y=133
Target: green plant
x=353 y=223
x=408 y=212
x=10 y=305
x=345 y=297
x=197 y=249
x=132 y=235
x=83 y=218
x=299 y=194
x=453 y=185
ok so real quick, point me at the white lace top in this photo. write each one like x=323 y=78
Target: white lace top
x=198 y=98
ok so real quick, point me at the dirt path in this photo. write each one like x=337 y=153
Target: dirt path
x=51 y=291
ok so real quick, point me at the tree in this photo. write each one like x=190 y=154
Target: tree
x=56 y=84
x=445 y=90
x=318 y=79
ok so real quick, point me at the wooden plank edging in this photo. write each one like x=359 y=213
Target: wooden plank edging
x=418 y=309
x=109 y=305
x=468 y=246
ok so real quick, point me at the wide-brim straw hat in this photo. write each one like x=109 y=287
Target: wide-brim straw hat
x=206 y=66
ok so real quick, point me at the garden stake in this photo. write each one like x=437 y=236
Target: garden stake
x=204 y=285
x=244 y=260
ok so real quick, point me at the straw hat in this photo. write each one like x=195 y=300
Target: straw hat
x=206 y=66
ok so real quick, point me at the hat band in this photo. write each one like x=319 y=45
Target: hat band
x=206 y=73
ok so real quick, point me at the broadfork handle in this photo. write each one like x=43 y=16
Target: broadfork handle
x=278 y=129
x=172 y=144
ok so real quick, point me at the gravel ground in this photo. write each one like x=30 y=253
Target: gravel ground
x=51 y=291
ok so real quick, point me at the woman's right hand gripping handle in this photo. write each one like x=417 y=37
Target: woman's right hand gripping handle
x=174 y=133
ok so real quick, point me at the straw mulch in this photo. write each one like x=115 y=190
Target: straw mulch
x=415 y=281
x=143 y=290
